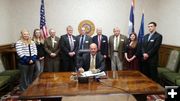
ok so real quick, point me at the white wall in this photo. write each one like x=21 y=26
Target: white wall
x=104 y=13
x=5 y=32
x=169 y=21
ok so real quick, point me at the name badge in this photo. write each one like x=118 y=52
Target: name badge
x=151 y=40
x=55 y=41
x=122 y=39
x=86 y=41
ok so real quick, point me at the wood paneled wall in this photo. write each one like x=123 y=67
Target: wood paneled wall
x=164 y=53
x=9 y=53
x=8 y=56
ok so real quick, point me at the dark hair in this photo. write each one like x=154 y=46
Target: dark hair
x=134 y=44
x=153 y=23
x=35 y=31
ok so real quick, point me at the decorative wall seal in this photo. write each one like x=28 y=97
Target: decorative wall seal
x=89 y=27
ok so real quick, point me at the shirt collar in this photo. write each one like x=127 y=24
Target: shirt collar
x=93 y=56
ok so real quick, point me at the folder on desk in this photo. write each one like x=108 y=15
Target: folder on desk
x=89 y=74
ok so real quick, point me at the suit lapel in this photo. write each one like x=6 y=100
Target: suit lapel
x=85 y=38
x=88 y=60
x=102 y=38
x=152 y=37
x=67 y=41
x=113 y=42
x=74 y=41
x=50 y=42
x=97 y=60
x=146 y=40
x=55 y=42
x=120 y=38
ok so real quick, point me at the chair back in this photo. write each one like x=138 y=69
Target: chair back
x=178 y=67
x=173 y=60
x=1 y=65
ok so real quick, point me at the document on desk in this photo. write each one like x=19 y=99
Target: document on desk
x=89 y=74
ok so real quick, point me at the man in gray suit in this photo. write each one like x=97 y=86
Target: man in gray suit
x=51 y=45
x=116 y=49
x=92 y=61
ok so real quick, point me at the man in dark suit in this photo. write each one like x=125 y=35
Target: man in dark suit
x=101 y=41
x=51 y=46
x=68 y=44
x=84 y=42
x=92 y=61
x=150 y=48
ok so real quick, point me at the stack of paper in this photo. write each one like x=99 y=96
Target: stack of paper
x=89 y=73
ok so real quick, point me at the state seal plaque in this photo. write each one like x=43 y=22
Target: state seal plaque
x=88 y=25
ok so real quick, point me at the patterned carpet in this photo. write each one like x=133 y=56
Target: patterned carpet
x=156 y=98
x=13 y=95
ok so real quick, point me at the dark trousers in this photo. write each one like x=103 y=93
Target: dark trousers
x=52 y=64
x=68 y=64
x=26 y=75
x=150 y=70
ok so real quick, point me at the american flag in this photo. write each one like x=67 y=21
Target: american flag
x=43 y=20
x=131 y=18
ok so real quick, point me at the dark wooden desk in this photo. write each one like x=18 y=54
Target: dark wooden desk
x=54 y=85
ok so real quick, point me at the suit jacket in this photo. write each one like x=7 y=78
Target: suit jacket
x=48 y=46
x=104 y=44
x=152 y=46
x=85 y=62
x=87 y=41
x=65 y=46
x=121 y=47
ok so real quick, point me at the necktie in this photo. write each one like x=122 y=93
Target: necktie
x=71 y=43
x=81 y=42
x=149 y=37
x=117 y=43
x=92 y=64
x=53 y=42
x=99 y=42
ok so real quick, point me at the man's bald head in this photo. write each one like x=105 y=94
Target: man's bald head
x=93 y=48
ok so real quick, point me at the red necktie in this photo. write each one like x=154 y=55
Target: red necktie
x=99 y=42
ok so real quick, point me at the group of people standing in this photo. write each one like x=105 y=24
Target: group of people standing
x=82 y=53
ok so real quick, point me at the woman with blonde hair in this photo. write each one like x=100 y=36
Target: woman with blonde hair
x=27 y=52
x=131 y=60
x=39 y=41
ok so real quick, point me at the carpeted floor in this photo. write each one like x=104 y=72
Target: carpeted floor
x=13 y=95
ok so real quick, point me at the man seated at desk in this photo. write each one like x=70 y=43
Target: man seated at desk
x=92 y=61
